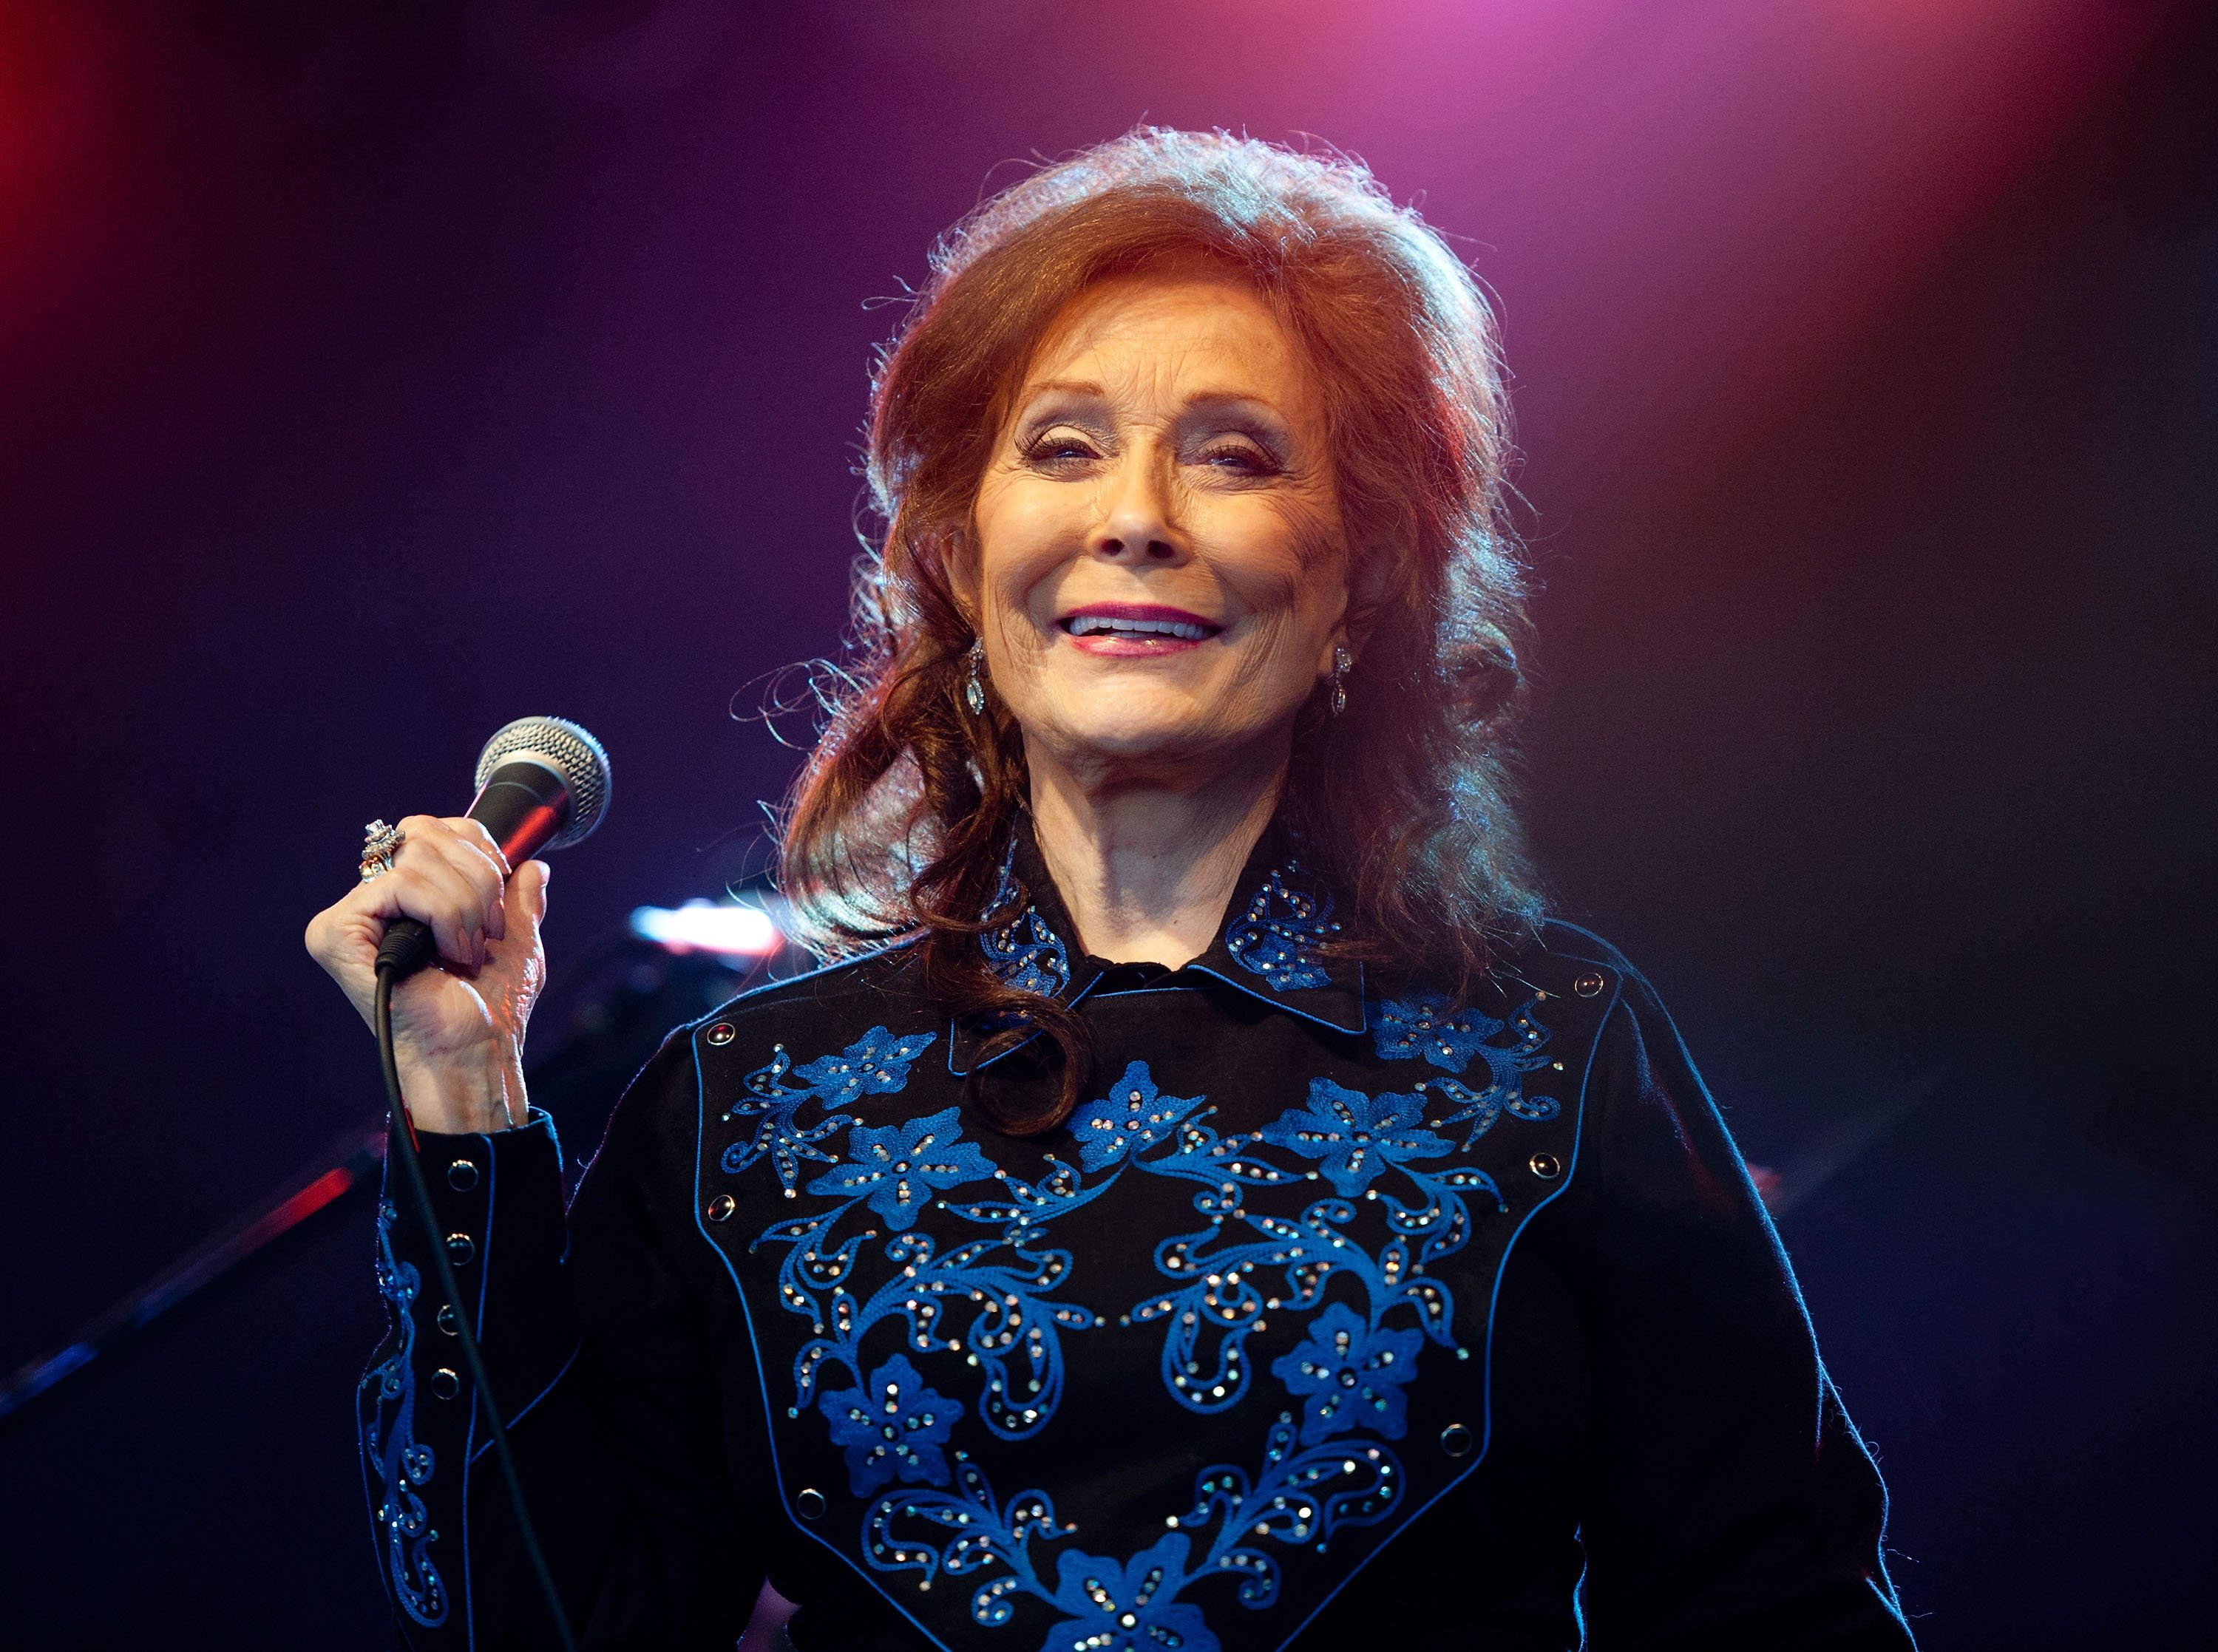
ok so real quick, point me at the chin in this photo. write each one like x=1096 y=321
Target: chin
x=1159 y=738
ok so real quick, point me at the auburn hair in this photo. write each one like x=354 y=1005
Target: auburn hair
x=900 y=821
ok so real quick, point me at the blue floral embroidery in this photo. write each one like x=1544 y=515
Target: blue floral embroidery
x=1300 y=1498
x=899 y=1168
x=403 y=1462
x=1278 y=936
x=877 y=1064
x=1129 y=1606
x=992 y=1299
x=1405 y=1028
x=987 y=1299
x=1408 y=1028
x=1220 y=1281
x=1132 y=1117
x=1025 y=953
x=893 y=1428
x=1351 y=1374
x=1355 y=1138
x=1480 y=1108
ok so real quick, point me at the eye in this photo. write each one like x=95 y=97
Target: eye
x=1239 y=458
x=1059 y=448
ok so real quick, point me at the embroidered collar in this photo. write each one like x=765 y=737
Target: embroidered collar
x=1269 y=946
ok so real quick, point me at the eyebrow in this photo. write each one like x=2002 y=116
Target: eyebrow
x=1201 y=402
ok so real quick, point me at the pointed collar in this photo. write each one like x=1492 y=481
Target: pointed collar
x=1269 y=946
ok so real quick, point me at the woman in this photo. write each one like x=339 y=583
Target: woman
x=1210 y=1206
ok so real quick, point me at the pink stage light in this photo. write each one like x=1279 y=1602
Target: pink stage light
x=722 y=927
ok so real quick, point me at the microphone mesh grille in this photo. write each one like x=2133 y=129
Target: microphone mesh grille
x=573 y=752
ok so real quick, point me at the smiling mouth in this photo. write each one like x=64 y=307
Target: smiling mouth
x=1111 y=625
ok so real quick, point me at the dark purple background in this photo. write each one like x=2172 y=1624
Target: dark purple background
x=370 y=375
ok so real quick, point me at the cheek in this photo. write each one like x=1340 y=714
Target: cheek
x=1283 y=564
x=1024 y=539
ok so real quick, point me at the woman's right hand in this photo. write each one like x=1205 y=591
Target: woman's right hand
x=457 y=1026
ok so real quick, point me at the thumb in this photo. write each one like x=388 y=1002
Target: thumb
x=526 y=894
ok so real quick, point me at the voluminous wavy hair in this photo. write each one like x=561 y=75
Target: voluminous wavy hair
x=900 y=823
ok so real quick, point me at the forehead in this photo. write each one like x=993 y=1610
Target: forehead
x=1184 y=333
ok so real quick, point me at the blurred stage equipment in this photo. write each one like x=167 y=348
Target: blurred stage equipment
x=623 y=995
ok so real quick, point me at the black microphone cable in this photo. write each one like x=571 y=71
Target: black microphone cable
x=543 y=784
x=420 y=1190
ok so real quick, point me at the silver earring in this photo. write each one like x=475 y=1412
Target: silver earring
x=974 y=691
x=1340 y=662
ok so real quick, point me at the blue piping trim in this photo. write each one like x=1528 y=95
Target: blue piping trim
x=469 y=1594
x=1362 y=1001
x=754 y=1348
x=552 y=1382
x=469 y=1437
x=767 y=986
x=954 y=1072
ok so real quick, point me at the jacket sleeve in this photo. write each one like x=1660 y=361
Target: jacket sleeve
x=599 y=1337
x=1732 y=1503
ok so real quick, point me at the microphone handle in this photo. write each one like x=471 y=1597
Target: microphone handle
x=524 y=803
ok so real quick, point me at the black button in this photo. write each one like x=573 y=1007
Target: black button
x=460 y=1248
x=462 y=1175
x=1589 y=985
x=446 y=1320
x=722 y=1033
x=722 y=1206
x=1456 y=1440
x=445 y=1384
x=808 y=1503
x=1546 y=1166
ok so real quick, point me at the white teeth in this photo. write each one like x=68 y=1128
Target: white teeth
x=1087 y=625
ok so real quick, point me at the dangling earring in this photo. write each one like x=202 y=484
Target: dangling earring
x=974 y=691
x=1340 y=662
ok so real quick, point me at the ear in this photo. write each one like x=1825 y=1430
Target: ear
x=958 y=565
x=1369 y=579
x=1373 y=571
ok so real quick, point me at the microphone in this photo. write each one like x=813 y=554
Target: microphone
x=543 y=785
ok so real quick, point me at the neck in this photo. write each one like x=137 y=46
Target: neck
x=1146 y=864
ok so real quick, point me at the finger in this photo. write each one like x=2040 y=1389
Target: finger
x=477 y=833
x=433 y=891
x=484 y=867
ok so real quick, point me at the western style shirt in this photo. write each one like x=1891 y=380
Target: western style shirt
x=1333 y=1309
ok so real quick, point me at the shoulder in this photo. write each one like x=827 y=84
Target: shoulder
x=871 y=1008
x=824 y=1012
x=1574 y=990
x=1557 y=960
x=887 y=978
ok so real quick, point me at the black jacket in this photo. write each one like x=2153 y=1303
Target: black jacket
x=1328 y=1314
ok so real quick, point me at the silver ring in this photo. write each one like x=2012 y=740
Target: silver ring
x=380 y=843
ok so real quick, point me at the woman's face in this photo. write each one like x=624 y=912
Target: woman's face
x=1162 y=573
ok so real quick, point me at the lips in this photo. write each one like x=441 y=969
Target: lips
x=1146 y=626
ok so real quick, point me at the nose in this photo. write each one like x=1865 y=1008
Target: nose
x=1138 y=522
